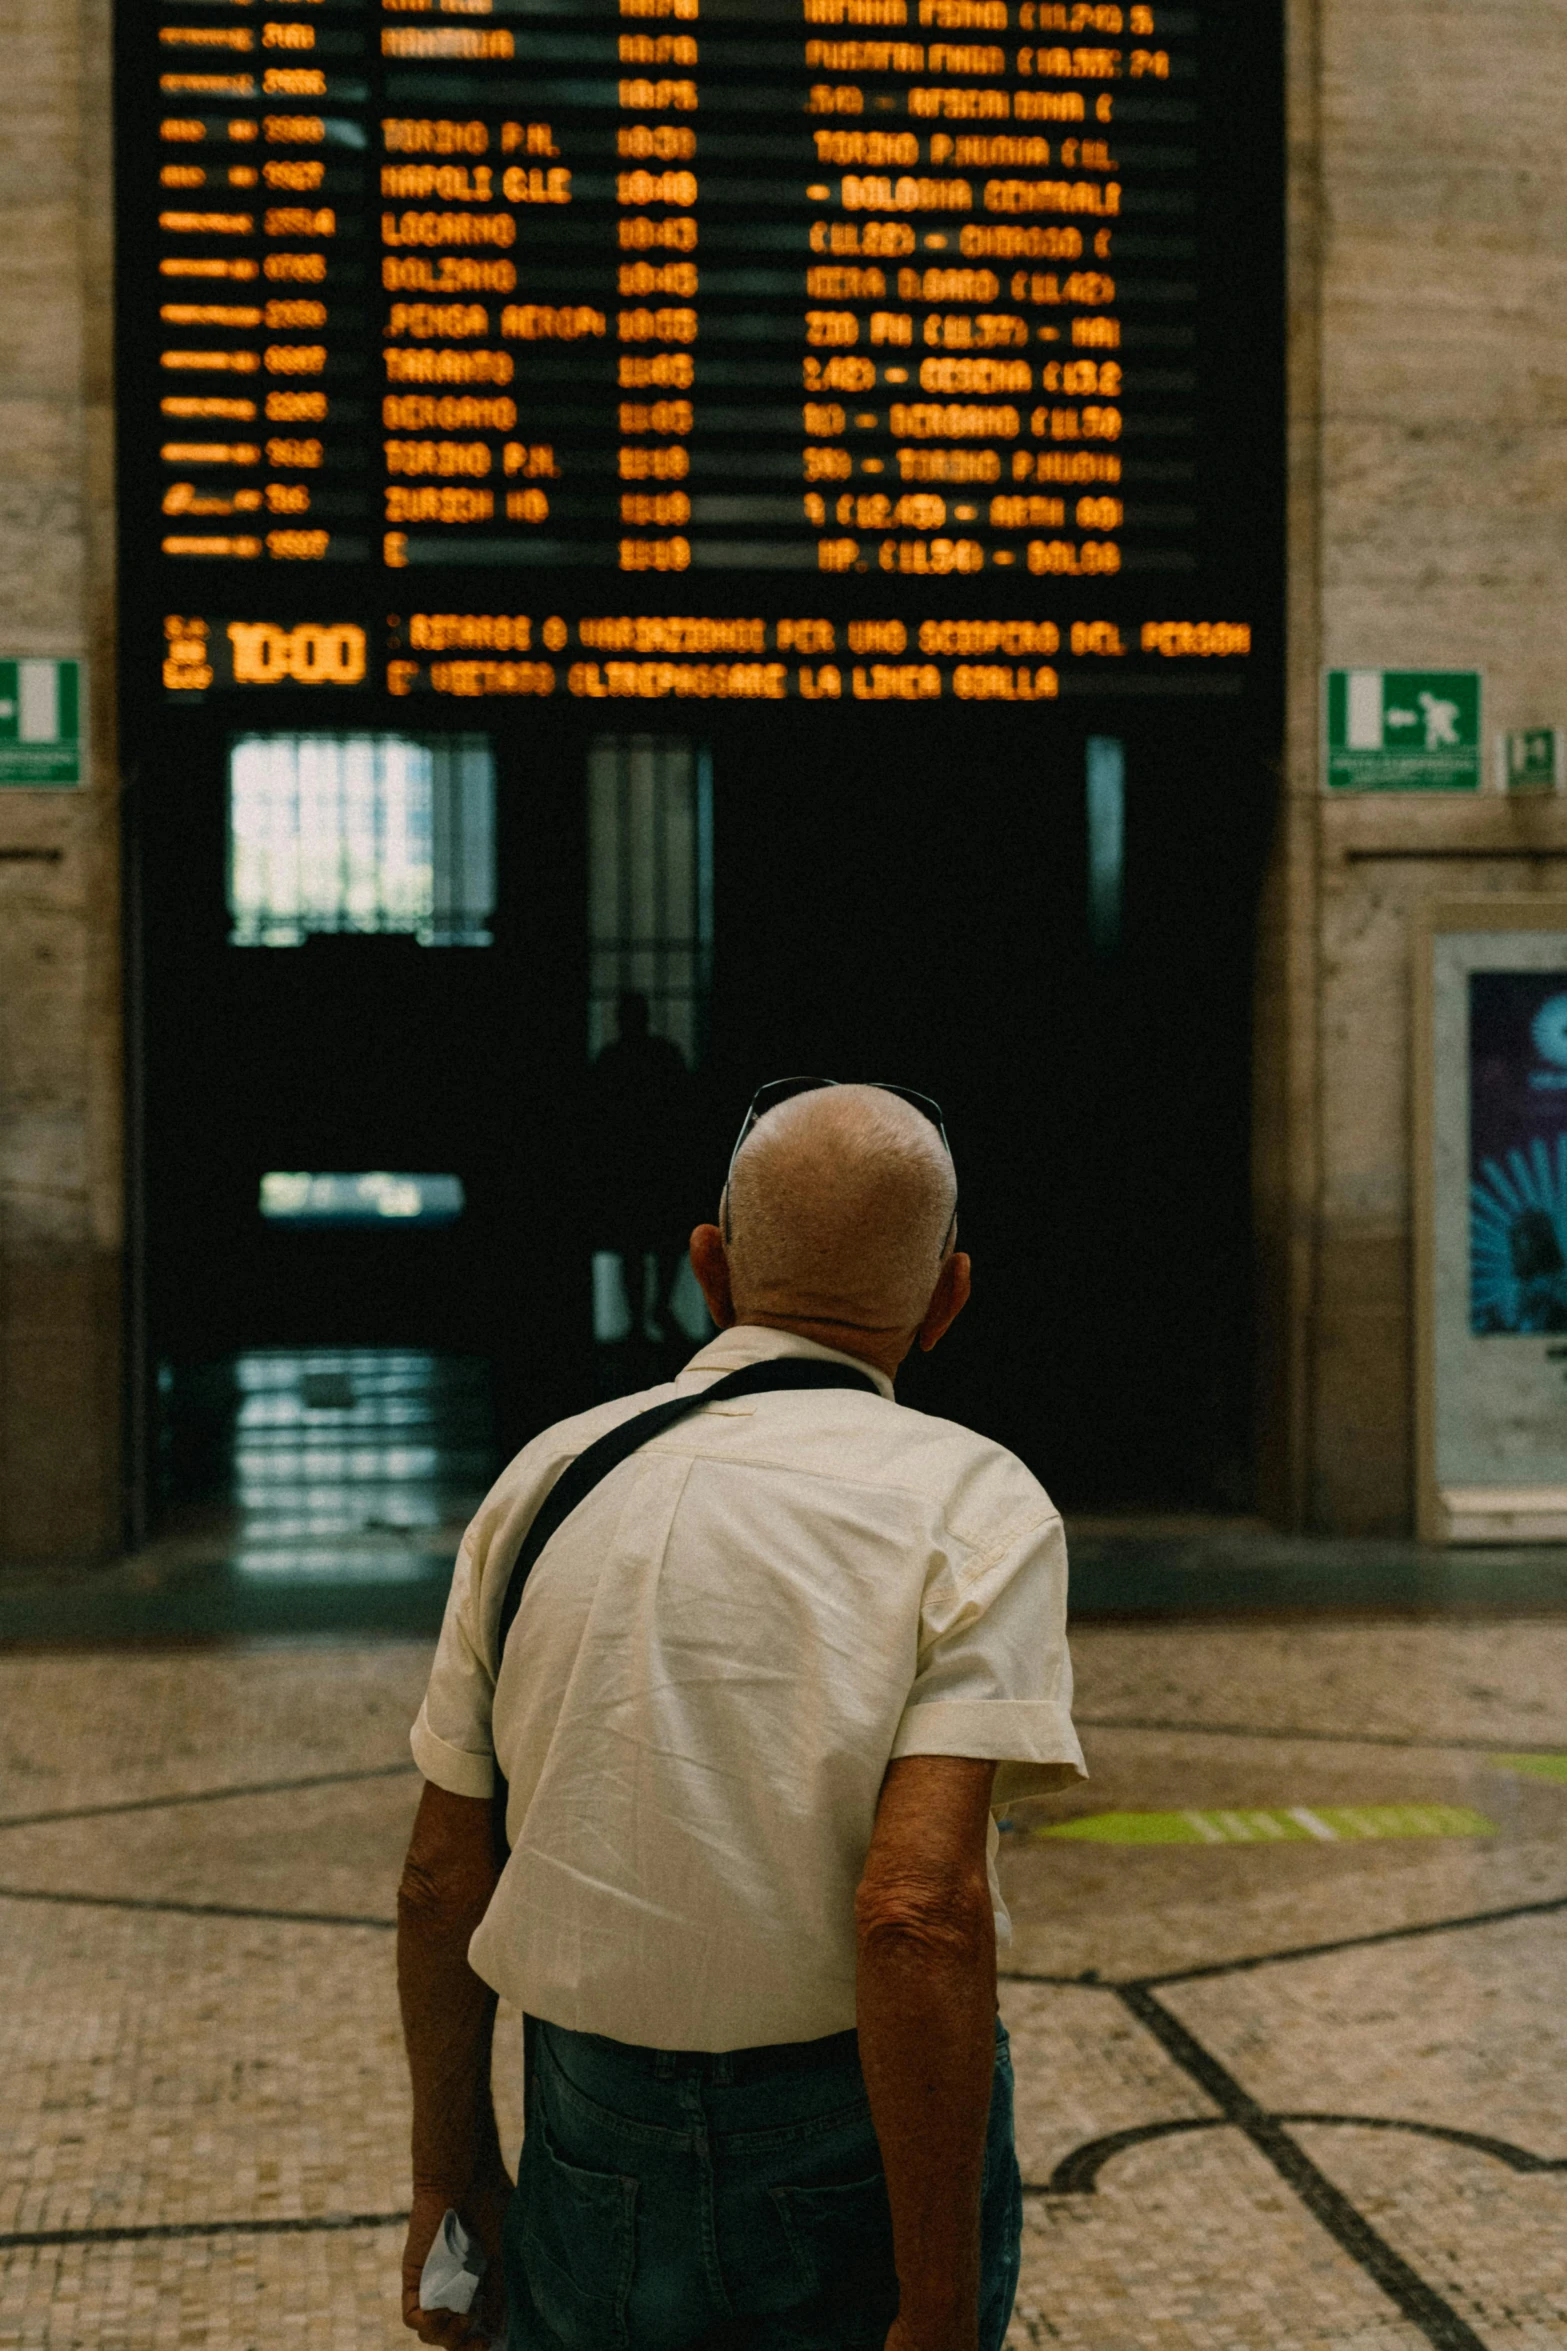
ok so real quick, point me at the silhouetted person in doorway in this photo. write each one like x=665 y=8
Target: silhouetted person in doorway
x=642 y=1147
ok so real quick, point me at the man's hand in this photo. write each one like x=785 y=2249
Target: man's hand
x=482 y=2214
x=926 y=1999
x=448 y=2024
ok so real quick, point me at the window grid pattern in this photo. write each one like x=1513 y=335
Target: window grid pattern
x=650 y=890
x=361 y=833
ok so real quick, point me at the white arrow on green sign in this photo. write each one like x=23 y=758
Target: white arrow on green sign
x=41 y=746
x=1403 y=730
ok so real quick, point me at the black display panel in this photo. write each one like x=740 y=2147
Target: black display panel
x=838 y=351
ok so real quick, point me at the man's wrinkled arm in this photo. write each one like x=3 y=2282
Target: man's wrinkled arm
x=926 y=2000
x=448 y=2028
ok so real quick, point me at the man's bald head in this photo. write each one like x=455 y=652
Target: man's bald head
x=840 y=1210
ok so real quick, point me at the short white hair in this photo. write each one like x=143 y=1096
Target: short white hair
x=840 y=1206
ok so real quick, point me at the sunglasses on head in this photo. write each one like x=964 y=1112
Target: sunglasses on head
x=779 y=1090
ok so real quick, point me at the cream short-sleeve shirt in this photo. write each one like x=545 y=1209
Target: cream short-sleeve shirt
x=716 y=1658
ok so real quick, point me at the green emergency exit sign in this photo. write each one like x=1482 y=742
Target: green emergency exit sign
x=41 y=746
x=1403 y=730
x=1533 y=759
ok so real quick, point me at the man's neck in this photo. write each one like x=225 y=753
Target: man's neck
x=884 y=1351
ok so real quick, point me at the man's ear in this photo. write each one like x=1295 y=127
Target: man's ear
x=710 y=1264
x=947 y=1300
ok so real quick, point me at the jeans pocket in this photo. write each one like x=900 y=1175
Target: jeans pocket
x=578 y=2243
x=841 y=2239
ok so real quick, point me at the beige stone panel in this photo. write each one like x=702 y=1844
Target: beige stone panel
x=336 y=1850
x=100 y=1729
x=43 y=1220
x=1193 y=2244
x=239 y=2292
x=40 y=438
x=1365 y=1416
x=59 y=1046
x=1496 y=844
x=1126 y=1910
x=39 y=126
x=1286 y=1138
x=1365 y=1082
x=1467 y=2030
x=59 y=1400
x=96 y=163
x=102 y=1166
x=48 y=884
x=43 y=892
x=166 y=2069
x=1446 y=546
x=40 y=298
x=1493 y=2242
x=1403 y=488
x=1499 y=1685
x=41 y=562
x=1472 y=84
x=40 y=1170
x=1513 y=644
x=1417 y=351
x=1084 y=2067
x=45 y=964
x=43 y=1077
x=1439 y=201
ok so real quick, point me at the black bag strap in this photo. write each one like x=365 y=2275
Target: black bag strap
x=576 y=1483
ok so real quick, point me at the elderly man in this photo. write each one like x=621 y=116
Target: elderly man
x=786 y=1647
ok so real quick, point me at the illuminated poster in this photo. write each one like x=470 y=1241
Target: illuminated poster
x=1518 y=1151
x=1490 y=1103
x=740 y=349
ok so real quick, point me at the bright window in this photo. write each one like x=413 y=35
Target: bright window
x=376 y=1198
x=361 y=833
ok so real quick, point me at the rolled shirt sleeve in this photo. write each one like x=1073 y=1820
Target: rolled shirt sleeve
x=994 y=1678
x=451 y=1737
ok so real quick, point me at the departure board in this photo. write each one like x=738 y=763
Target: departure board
x=829 y=350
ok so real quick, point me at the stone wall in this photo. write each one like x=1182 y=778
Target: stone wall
x=1428 y=208
x=60 y=1151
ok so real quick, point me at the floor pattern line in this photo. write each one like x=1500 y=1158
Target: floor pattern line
x=1442 y=2326
x=320 y=1779
x=296 y=1918
x=1242 y=1730
x=166 y=2231
x=1478 y=2142
x=1090 y=1980
x=1077 y=2174
x=1408 y=1934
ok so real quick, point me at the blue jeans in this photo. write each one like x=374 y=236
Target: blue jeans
x=676 y=2202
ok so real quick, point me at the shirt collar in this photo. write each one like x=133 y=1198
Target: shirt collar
x=753 y=1342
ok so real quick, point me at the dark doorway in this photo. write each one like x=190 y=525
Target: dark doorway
x=922 y=901
x=1045 y=921
x=356 y=1103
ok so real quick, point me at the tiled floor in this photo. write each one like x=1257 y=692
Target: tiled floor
x=1292 y=2094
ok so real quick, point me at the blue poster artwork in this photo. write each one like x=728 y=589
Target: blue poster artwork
x=1517 y=1151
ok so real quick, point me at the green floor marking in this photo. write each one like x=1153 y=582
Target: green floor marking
x=1324 y=1824
x=1535 y=1767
